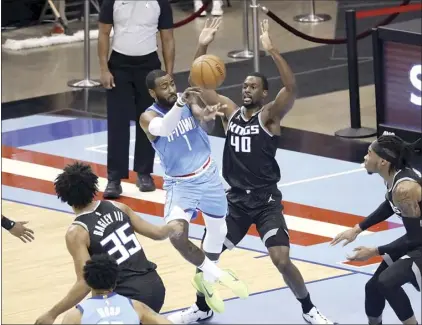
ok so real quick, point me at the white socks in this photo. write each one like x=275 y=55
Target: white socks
x=211 y=271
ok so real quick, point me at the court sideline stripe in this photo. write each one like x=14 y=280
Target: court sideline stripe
x=290 y=208
x=352 y=271
x=147 y=207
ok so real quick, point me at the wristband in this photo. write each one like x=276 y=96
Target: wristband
x=7 y=223
x=180 y=102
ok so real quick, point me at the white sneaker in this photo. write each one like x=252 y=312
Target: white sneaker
x=217 y=8
x=315 y=317
x=190 y=315
x=197 y=4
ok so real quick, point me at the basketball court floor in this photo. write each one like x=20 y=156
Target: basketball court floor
x=322 y=197
x=325 y=190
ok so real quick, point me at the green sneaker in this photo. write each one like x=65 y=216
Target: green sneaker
x=230 y=280
x=212 y=297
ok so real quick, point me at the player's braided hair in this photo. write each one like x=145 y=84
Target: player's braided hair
x=400 y=149
x=77 y=185
x=100 y=273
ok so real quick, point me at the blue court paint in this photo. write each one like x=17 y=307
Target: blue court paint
x=52 y=132
x=31 y=121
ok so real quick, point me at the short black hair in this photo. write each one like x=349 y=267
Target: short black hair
x=100 y=272
x=77 y=185
x=263 y=78
x=398 y=148
x=152 y=76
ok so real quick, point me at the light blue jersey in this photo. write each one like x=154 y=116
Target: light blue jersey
x=186 y=149
x=110 y=309
x=192 y=180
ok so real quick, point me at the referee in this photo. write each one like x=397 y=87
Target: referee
x=134 y=54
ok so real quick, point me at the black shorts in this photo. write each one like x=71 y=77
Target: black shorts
x=262 y=208
x=148 y=289
x=415 y=255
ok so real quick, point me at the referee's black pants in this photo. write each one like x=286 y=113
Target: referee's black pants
x=126 y=102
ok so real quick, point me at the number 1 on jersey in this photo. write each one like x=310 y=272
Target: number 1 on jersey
x=241 y=144
x=187 y=141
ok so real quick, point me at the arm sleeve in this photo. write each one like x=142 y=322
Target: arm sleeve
x=106 y=12
x=166 y=15
x=164 y=126
x=383 y=212
x=400 y=246
x=6 y=223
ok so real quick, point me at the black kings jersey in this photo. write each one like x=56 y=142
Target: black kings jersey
x=110 y=231
x=249 y=153
x=413 y=226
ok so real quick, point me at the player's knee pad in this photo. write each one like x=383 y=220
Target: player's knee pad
x=215 y=235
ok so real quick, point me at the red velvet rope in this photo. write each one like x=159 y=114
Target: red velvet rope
x=309 y=38
x=195 y=15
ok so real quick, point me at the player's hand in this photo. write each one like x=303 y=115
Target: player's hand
x=348 y=236
x=267 y=44
x=363 y=253
x=23 y=233
x=211 y=111
x=190 y=95
x=46 y=318
x=209 y=30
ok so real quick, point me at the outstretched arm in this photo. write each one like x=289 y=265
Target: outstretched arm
x=284 y=100
x=209 y=96
x=77 y=242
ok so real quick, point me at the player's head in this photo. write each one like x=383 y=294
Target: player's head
x=254 y=91
x=100 y=272
x=388 y=154
x=162 y=88
x=77 y=185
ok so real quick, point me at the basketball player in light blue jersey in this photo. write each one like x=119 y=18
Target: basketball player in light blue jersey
x=106 y=306
x=174 y=125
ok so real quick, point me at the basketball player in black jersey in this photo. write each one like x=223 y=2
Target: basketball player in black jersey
x=250 y=168
x=106 y=227
x=389 y=157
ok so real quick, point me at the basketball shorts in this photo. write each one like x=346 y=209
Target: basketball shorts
x=204 y=192
x=415 y=256
x=262 y=208
x=147 y=288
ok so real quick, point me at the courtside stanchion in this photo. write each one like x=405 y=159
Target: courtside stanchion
x=312 y=17
x=356 y=130
x=255 y=25
x=246 y=53
x=87 y=82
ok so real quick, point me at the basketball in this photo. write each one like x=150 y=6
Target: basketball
x=208 y=72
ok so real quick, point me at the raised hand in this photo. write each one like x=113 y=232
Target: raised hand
x=211 y=111
x=209 y=30
x=265 y=36
x=190 y=95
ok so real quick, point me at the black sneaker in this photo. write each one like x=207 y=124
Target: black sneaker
x=113 y=190
x=145 y=183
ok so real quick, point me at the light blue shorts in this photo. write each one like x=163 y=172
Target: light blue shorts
x=203 y=192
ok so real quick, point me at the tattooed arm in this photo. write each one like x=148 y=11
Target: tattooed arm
x=406 y=197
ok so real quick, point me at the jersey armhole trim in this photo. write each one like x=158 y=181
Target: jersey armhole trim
x=401 y=180
x=80 y=308
x=231 y=117
x=80 y=223
x=261 y=124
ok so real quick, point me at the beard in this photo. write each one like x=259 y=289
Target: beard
x=162 y=102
